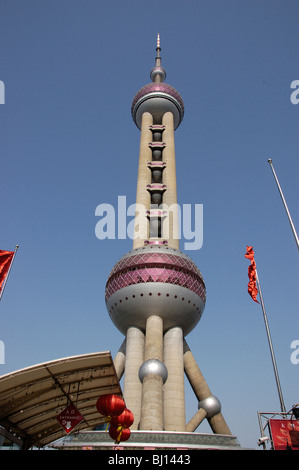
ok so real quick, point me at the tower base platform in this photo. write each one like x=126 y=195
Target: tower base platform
x=148 y=440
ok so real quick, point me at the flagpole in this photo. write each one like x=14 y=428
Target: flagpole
x=282 y=406
x=284 y=203
x=5 y=280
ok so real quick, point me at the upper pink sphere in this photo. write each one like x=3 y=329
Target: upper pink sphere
x=157 y=98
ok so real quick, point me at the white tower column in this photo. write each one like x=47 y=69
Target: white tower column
x=120 y=360
x=143 y=199
x=132 y=385
x=171 y=222
x=151 y=374
x=174 y=393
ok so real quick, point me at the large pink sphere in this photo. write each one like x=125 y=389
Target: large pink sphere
x=155 y=280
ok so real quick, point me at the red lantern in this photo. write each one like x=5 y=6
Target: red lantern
x=110 y=405
x=119 y=433
x=125 y=419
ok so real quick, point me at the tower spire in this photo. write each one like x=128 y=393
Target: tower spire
x=158 y=48
x=158 y=74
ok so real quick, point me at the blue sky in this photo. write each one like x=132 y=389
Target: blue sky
x=68 y=144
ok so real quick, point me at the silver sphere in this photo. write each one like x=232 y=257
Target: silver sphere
x=158 y=71
x=211 y=405
x=153 y=367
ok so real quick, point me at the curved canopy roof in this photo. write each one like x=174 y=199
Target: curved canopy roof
x=32 y=398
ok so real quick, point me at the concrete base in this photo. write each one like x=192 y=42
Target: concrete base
x=149 y=440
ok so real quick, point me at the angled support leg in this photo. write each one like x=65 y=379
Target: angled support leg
x=210 y=407
x=120 y=359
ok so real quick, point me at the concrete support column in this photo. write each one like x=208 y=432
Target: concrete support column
x=196 y=420
x=143 y=199
x=202 y=392
x=120 y=360
x=151 y=376
x=174 y=392
x=134 y=359
x=218 y=425
x=170 y=228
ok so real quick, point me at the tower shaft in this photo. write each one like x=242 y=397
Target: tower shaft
x=132 y=384
x=171 y=222
x=156 y=198
x=155 y=294
x=143 y=198
x=152 y=384
x=174 y=389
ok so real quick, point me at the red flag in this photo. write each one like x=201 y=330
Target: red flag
x=252 y=287
x=5 y=262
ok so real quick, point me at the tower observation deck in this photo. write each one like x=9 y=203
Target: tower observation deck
x=155 y=294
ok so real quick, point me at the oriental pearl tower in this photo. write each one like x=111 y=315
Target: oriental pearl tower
x=155 y=294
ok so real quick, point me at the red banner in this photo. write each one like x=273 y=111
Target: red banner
x=5 y=262
x=285 y=434
x=252 y=287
